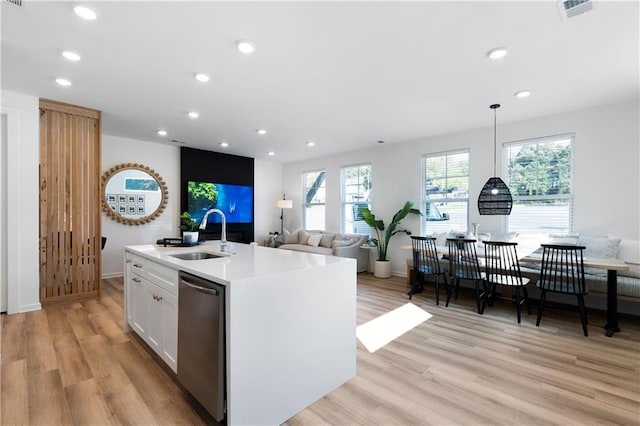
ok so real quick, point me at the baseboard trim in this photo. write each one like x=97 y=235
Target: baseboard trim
x=30 y=307
x=113 y=275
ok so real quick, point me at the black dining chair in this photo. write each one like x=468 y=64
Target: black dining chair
x=562 y=271
x=503 y=269
x=426 y=263
x=464 y=265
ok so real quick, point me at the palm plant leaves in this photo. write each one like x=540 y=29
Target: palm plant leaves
x=384 y=235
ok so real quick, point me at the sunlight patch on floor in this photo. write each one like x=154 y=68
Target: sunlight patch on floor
x=379 y=331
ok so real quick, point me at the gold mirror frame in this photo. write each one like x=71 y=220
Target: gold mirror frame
x=106 y=177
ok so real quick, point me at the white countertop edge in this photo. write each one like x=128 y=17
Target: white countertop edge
x=243 y=261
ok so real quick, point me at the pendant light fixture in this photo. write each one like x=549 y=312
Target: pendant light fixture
x=495 y=197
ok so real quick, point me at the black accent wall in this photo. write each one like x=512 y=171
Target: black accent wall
x=208 y=166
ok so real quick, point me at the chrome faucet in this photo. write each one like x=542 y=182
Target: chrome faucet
x=223 y=236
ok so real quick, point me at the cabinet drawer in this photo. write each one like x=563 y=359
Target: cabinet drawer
x=138 y=264
x=162 y=276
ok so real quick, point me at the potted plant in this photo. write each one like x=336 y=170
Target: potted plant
x=189 y=229
x=382 y=268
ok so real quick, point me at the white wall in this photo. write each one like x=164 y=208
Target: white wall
x=22 y=201
x=165 y=160
x=606 y=173
x=267 y=189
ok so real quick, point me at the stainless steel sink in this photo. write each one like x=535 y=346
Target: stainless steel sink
x=199 y=255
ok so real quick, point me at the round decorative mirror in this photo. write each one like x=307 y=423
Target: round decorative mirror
x=133 y=194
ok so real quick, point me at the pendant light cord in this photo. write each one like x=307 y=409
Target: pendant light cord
x=494 y=107
x=495 y=141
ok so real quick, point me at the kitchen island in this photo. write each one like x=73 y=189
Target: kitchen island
x=290 y=321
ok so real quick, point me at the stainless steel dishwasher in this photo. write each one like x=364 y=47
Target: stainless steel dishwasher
x=201 y=342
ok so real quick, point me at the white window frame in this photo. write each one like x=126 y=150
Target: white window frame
x=423 y=197
x=304 y=204
x=570 y=197
x=343 y=193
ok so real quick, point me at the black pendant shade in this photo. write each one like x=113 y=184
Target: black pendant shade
x=495 y=197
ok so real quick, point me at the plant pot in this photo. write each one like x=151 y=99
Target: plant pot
x=382 y=269
x=190 y=237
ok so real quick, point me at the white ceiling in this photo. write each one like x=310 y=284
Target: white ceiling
x=341 y=74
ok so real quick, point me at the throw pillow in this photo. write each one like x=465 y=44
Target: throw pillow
x=599 y=247
x=505 y=238
x=314 y=240
x=326 y=240
x=456 y=234
x=303 y=237
x=441 y=238
x=483 y=236
x=629 y=251
x=290 y=237
x=563 y=238
x=341 y=243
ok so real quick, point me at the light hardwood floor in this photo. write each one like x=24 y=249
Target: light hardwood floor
x=73 y=365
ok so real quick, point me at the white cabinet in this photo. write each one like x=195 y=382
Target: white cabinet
x=151 y=305
x=169 y=351
x=139 y=309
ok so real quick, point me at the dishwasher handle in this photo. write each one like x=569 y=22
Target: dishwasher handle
x=212 y=291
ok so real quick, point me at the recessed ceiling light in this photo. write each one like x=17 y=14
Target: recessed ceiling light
x=522 y=94
x=310 y=143
x=271 y=153
x=497 y=53
x=245 y=46
x=162 y=132
x=85 y=13
x=202 y=77
x=193 y=115
x=72 y=56
x=224 y=144
x=63 y=82
x=261 y=131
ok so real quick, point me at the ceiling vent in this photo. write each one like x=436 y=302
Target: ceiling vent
x=16 y=2
x=571 y=8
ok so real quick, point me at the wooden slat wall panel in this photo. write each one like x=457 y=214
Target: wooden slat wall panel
x=70 y=230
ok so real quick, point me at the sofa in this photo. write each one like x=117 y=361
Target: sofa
x=328 y=243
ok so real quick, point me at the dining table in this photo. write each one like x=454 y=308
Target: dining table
x=611 y=265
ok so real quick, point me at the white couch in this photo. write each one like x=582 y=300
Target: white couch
x=328 y=243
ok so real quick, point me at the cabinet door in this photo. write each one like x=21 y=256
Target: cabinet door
x=170 y=330
x=137 y=305
x=155 y=326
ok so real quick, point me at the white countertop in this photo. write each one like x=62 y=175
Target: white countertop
x=244 y=261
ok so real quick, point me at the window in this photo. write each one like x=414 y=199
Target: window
x=445 y=192
x=314 y=199
x=539 y=175
x=356 y=193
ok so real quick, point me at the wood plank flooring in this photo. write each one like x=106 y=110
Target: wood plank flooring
x=73 y=365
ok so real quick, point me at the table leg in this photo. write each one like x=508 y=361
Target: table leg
x=611 y=326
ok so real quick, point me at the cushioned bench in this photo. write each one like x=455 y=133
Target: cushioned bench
x=596 y=280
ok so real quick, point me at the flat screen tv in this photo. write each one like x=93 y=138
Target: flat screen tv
x=236 y=201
